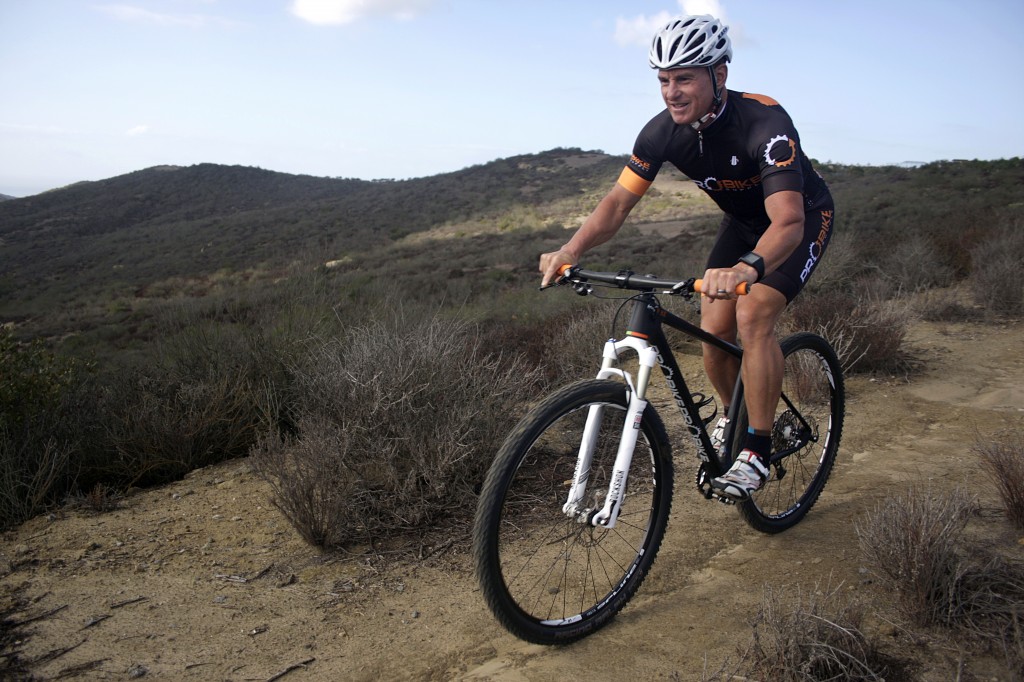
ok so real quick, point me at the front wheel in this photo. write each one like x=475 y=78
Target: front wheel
x=548 y=577
x=805 y=436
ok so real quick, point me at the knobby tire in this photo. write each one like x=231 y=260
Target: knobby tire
x=548 y=578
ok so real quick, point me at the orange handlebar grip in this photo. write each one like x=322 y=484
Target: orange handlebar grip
x=742 y=289
x=563 y=268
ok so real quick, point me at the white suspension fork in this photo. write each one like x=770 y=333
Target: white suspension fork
x=609 y=513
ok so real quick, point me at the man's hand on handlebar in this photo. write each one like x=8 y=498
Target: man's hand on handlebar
x=550 y=263
x=722 y=283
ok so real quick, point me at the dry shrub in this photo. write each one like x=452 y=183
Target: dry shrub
x=31 y=475
x=866 y=331
x=1002 y=458
x=995 y=279
x=162 y=424
x=396 y=425
x=565 y=347
x=819 y=637
x=915 y=544
x=915 y=264
x=912 y=542
x=945 y=305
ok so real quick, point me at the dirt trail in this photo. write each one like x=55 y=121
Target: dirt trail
x=205 y=580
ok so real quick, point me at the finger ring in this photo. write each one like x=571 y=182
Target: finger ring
x=722 y=291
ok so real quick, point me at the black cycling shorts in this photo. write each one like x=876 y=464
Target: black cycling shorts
x=733 y=241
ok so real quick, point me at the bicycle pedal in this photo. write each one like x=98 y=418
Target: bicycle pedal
x=703 y=481
x=724 y=499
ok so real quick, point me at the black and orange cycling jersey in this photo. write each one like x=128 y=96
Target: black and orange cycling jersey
x=750 y=151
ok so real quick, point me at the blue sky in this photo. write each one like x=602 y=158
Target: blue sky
x=90 y=89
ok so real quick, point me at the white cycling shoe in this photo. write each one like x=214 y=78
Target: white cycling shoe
x=746 y=475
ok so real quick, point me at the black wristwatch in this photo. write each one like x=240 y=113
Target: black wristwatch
x=756 y=262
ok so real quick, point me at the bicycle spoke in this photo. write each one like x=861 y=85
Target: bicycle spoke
x=554 y=572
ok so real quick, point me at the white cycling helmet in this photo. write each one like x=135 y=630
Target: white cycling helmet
x=688 y=41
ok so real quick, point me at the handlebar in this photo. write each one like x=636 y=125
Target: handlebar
x=742 y=289
x=630 y=280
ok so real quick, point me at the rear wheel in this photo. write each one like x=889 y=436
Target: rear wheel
x=805 y=436
x=550 y=578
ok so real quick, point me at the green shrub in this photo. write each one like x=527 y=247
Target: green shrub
x=44 y=413
x=202 y=400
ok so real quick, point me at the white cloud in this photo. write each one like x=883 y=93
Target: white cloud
x=335 y=12
x=137 y=130
x=639 y=29
x=712 y=7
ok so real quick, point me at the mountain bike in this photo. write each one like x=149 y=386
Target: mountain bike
x=576 y=502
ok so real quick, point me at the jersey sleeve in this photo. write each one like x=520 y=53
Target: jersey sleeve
x=776 y=145
x=645 y=161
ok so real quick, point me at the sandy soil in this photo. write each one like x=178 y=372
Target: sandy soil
x=205 y=580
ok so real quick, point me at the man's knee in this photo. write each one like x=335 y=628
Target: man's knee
x=757 y=314
x=721 y=323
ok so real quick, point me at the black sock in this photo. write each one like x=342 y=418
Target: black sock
x=759 y=443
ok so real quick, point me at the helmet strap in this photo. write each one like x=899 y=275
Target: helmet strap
x=716 y=106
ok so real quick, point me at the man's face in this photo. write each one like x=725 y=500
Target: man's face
x=688 y=93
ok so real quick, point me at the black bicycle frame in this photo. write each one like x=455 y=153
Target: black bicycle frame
x=646 y=322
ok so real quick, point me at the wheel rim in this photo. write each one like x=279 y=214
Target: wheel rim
x=556 y=570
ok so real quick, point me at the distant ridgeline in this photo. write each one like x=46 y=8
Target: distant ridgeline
x=171 y=221
x=105 y=238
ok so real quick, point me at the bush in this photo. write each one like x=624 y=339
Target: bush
x=916 y=545
x=396 y=425
x=1002 y=458
x=912 y=542
x=564 y=345
x=915 y=264
x=946 y=305
x=819 y=638
x=43 y=414
x=995 y=279
x=199 y=402
x=866 y=331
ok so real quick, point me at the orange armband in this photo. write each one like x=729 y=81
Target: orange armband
x=633 y=182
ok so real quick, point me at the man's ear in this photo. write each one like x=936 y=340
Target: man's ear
x=722 y=73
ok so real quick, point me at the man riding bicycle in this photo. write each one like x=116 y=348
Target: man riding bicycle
x=743 y=150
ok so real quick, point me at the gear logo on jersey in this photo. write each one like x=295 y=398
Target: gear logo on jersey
x=780 y=152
